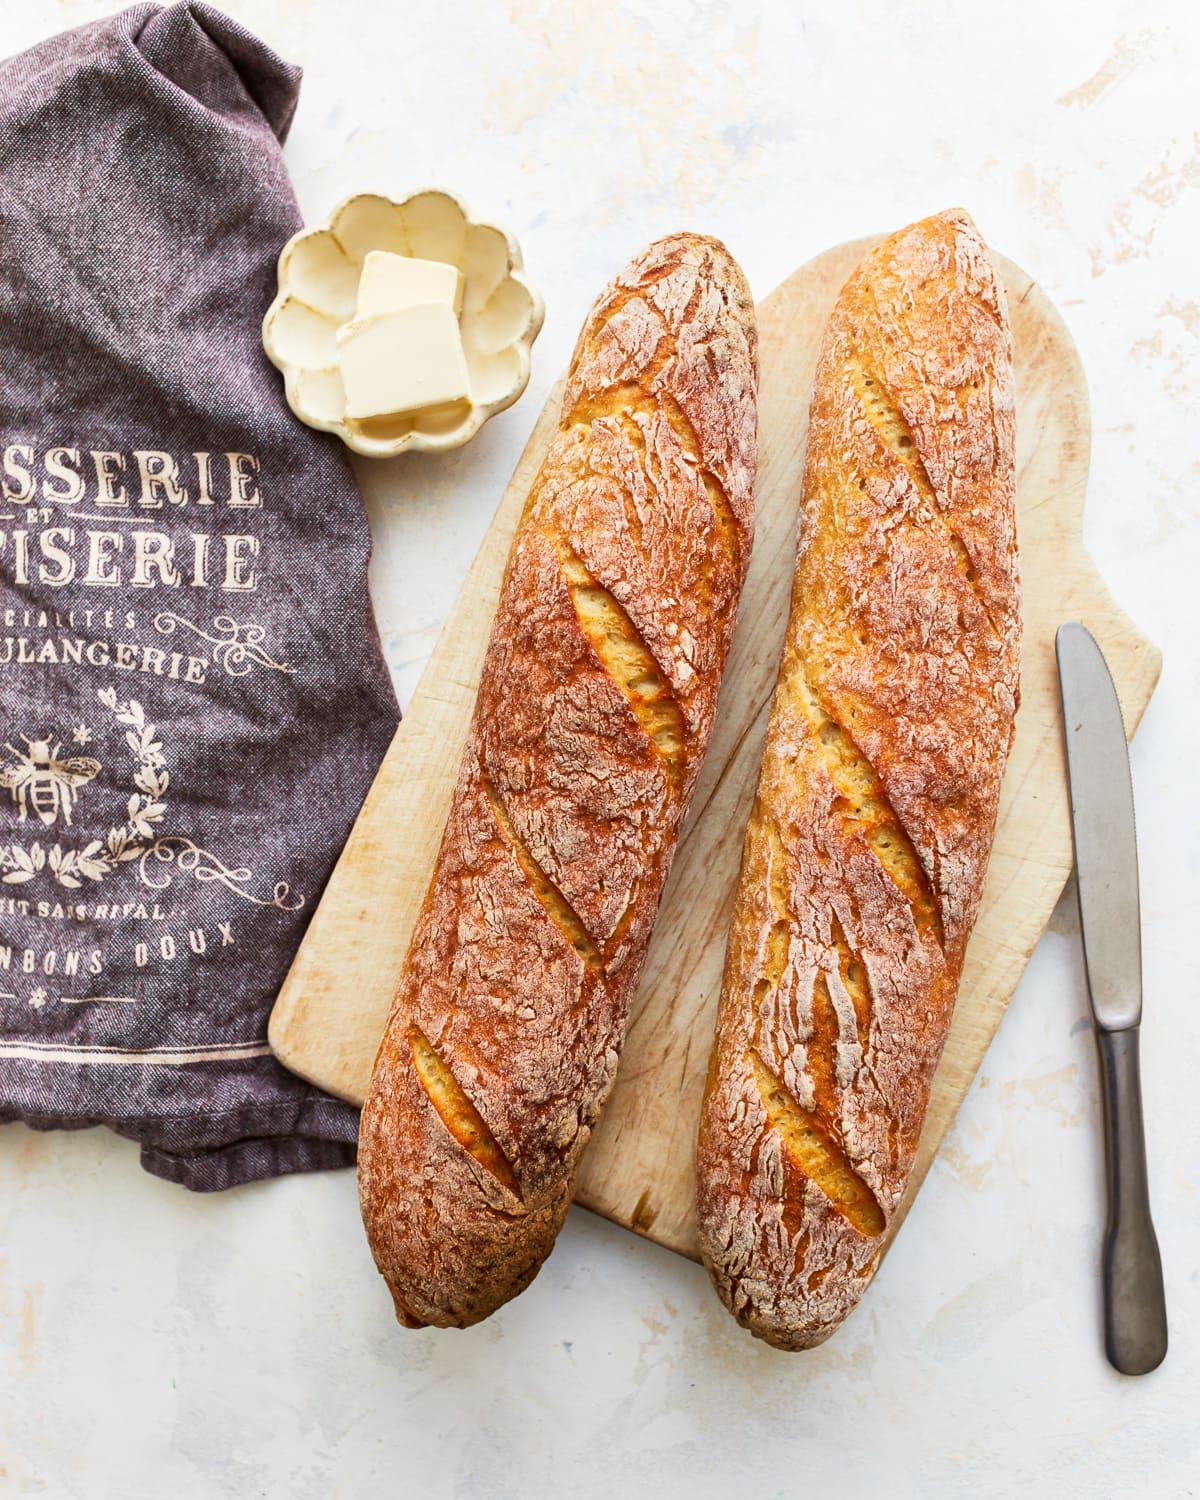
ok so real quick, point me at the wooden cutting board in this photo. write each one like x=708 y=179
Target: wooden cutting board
x=638 y=1170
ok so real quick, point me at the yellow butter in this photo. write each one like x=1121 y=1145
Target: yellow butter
x=401 y=361
x=390 y=282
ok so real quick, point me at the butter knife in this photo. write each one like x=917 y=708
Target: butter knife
x=1135 y=1313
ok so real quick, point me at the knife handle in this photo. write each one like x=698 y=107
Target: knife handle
x=1135 y=1310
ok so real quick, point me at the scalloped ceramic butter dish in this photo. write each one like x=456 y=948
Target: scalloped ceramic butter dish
x=319 y=275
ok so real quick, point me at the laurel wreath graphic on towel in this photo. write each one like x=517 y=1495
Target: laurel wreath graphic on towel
x=139 y=838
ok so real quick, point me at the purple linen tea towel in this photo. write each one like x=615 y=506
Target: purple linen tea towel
x=193 y=701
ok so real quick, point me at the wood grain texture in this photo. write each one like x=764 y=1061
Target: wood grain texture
x=639 y=1167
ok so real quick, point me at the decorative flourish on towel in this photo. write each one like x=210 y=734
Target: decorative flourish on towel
x=237 y=648
x=172 y=849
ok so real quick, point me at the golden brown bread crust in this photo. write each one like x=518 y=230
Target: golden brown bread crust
x=869 y=839
x=595 y=709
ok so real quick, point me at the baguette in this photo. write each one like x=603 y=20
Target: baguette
x=869 y=838
x=594 y=712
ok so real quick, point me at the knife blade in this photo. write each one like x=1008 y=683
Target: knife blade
x=1106 y=872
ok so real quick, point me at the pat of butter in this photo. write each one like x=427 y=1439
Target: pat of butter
x=402 y=361
x=390 y=282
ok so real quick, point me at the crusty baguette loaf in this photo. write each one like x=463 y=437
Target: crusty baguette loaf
x=870 y=834
x=594 y=712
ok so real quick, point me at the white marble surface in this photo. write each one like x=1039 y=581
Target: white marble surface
x=153 y=1343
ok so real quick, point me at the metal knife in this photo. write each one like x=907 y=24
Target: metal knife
x=1135 y=1313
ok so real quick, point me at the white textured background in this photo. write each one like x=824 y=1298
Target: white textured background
x=156 y=1344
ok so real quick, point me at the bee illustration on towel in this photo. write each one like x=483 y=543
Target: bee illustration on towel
x=42 y=783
